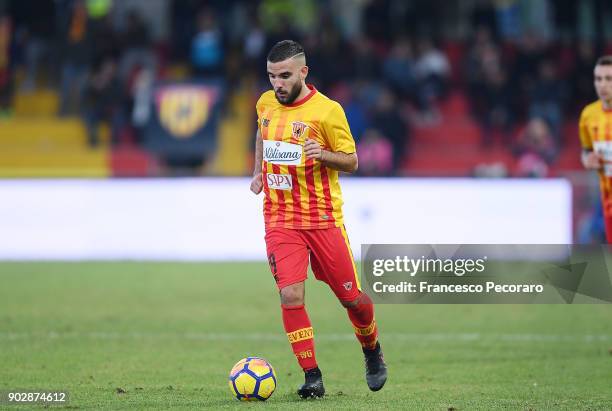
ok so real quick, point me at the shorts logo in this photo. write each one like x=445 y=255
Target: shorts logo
x=348 y=286
x=300 y=335
x=272 y=261
x=297 y=130
x=279 y=181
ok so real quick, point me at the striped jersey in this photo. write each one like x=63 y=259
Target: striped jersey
x=301 y=193
x=596 y=134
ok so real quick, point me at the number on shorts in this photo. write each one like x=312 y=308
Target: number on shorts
x=272 y=261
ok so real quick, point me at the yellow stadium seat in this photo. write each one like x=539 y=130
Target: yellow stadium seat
x=39 y=103
x=45 y=132
x=82 y=162
x=234 y=137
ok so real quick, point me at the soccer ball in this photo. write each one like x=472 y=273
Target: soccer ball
x=252 y=379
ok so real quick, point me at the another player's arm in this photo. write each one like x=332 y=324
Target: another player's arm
x=257 y=182
x=337 y=160
x=590 y=159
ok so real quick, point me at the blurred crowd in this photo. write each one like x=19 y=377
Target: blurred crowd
x=523 y=65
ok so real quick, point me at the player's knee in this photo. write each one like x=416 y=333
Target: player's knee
x=292 y=295
x=352 y=303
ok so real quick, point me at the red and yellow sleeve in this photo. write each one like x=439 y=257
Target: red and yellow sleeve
x=585 y=137
x=337 y=131
x=262 y=106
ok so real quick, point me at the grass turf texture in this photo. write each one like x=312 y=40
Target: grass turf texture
x=156 y=336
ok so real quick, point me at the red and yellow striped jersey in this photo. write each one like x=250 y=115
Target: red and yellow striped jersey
x=301 y=193
x=596 y=134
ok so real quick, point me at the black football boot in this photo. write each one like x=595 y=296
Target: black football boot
x=313 y=385
x=376 y=369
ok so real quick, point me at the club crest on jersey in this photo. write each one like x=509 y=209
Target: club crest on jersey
x=298 y=129
x=265 y=122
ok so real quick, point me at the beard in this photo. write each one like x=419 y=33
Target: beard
x=290 y=97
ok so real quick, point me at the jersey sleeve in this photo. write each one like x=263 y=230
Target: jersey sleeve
x=585 y=137
x=259 y=108
x=262 y=106
x=337 y=131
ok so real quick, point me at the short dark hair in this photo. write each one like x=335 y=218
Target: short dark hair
x=284 y=50
x=604 y=61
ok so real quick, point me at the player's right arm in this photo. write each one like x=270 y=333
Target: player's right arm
x=590 y=159
x=257 y=181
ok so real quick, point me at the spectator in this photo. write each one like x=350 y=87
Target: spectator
x=355 y=110
x=136 y=47
x=106 y=39
x=207 y=46
x=376 y=21
x=399 y=71
x=331 y=48
x=389 y=122
x=581 y=76
x=496 y=113
x=103 y=102
x=142 y=95
x=76 y=37
x=36 y=24
x=365 y=64
x=535 y=149
x=432 y=69
x=6 y=65
x=254 y=43
x=530 y=54
x=375 y=154
x=486 y=82
x=548 y=97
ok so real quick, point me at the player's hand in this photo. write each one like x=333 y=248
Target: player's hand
x=312 y=149
x=257 y=183
x=592 y=160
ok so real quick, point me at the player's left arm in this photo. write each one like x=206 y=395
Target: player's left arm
x=333 y=159
x=335 y=131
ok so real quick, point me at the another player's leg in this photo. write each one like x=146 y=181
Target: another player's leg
x=607 y=216
x=361 y=314
x=300 y=334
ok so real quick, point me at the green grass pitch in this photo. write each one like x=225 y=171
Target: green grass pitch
x=165 y=335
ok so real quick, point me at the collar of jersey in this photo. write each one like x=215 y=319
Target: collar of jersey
x=313 y=91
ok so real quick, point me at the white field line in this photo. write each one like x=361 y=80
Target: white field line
x=416 y=337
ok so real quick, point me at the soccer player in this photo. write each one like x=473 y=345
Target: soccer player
x=303 y=141
x=596 y=137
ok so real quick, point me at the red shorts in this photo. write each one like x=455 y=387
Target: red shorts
x=330 y=257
